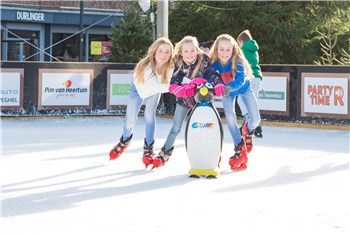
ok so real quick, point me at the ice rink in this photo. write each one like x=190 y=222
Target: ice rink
x=57 y=179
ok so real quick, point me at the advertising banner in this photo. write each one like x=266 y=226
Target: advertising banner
x=100 y=48
x=325 y=95
x=11 y=89
x=65 y=88
x=105 y=47
x=273 y=95
x=96 y=48
x=118 y=85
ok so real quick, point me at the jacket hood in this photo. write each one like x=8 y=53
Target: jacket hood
x=251 y=45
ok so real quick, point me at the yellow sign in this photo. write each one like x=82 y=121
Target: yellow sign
x=96 y=48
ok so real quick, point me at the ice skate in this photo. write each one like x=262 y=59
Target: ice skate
x=119 y=148
x=240 y=159
x=258 y=132
x=148 y=154
x=162 y=157
x=247 y=137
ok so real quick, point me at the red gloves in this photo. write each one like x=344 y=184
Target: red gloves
x=198 y=81
x=183 y=91
x=219 y=89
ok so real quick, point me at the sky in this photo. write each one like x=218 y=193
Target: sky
x=56 y=178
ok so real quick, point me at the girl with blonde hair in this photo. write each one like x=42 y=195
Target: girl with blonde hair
x=192 y=68
x=227 y=58
x=151 y=78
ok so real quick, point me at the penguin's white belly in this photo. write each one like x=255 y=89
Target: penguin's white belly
x=204 y=138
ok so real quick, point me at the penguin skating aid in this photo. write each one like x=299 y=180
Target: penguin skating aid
x=204 y=135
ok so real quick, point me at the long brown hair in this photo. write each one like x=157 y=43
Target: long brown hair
x=149 y=59
x=179 y=62
x=237 y=55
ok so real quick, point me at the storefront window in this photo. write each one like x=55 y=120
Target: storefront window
x=20 y=48
x=66 y=49
x=97 y=38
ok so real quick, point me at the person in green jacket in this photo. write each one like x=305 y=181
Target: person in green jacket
x=250 y=50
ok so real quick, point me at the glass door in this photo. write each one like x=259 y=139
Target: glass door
x=18 y=49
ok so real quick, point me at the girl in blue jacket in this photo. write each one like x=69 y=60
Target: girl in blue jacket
x=227 y=58
x=192 y=68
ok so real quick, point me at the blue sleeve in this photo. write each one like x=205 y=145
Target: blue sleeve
x=239 y=79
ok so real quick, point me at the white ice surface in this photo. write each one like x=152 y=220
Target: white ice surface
x=57 y=179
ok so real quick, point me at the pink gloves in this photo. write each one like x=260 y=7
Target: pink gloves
x=183 y=91
x=188 y=90
x=219 y=89
x=198 y=81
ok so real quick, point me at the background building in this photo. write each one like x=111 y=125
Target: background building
x=28 y=28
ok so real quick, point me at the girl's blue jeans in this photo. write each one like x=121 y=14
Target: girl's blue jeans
x=178 y=119
x=250 y=102
x=255 y=83
x=134 y=104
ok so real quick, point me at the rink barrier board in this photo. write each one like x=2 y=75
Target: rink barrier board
x=239 y=121
x=286 y=99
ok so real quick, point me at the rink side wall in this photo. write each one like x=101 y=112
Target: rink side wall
x=292 y=93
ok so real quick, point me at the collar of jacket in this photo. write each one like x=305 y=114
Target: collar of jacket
x=189 y=64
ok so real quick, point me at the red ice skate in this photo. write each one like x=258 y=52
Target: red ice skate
x=162 y=157
x=247 y=137
x=148 y=154
x=119 y=148
x=240 y=159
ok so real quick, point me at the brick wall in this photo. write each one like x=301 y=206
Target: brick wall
x=116 y=5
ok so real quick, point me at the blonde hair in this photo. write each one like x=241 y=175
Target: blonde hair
x=237 y=54
x=150 y=59
x=179 y=62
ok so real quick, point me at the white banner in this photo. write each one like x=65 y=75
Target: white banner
x=272 y=95
x=325 y=94
x=65 y=89
x=119 y=88
x=10 y=87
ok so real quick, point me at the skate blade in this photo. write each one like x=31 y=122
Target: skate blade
x=146 y=166
x=147 y=162
x=242 y=167
x=112 y=158
x=153 y=167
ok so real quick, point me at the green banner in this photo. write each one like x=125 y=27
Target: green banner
x=120 y=89
x=271 y=95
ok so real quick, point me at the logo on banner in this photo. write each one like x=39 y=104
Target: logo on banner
x=67 y=83
x=120 y=89
x=66 y=90
x=325 y=95
x=5 y=96
x=271 y=95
